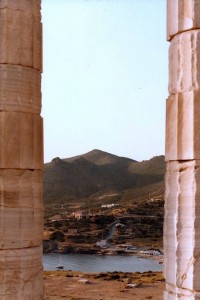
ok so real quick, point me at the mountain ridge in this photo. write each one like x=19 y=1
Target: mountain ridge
x=87 y=176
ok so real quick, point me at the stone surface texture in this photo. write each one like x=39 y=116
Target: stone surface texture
x=184 y=66
x=21 y=274
x=182 y=15
x=22 y=26
x=182 y=220
x=182 y=198
x=21 y=212
x=21 y=150
x=183 y=126
x=21 y=140
x=20 y=89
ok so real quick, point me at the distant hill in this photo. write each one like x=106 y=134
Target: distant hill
x=100 y=177
x=99 y=158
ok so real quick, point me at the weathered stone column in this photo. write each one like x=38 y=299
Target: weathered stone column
x=182 y=201
x=21 y=150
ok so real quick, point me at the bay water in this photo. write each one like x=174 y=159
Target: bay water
x=96 y=263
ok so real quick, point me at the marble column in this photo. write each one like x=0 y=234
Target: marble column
x=21 y=150
x=182 y=199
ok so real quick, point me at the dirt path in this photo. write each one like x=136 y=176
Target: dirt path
x=62 y=285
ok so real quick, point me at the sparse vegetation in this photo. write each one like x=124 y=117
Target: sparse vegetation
x=137 y=277
x=96 y=178
x=136 y=190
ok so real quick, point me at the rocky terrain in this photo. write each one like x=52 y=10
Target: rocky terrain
x=100 y=196
x=95 y=178
x=104 y=286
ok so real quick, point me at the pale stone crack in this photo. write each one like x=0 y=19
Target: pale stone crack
x=182 y=293
x=191 y=263
x=194 y=61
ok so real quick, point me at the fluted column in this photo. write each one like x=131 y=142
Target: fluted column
x=21 y=150
x=182 y=199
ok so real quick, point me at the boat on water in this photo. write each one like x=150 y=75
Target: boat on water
x=60 y=266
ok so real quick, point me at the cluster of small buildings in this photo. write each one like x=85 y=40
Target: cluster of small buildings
x=77 y=215
x=151 y=252
x=109 y=205
x=80 y=214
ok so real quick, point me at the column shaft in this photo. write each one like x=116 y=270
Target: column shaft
x=21 y=150
x=182 y=199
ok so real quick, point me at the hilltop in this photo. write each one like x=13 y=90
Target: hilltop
x=98 y=177
x=86 y=195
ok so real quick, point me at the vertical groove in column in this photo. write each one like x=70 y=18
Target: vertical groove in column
x=182 y=198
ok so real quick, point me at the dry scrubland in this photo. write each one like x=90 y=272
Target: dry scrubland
x=85 y=183
x=70 y=285
x=96 y=178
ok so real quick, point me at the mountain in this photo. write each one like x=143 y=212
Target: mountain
x=99 y=157
x=100 y=177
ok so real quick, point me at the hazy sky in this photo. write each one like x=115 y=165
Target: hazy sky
x=105 y=77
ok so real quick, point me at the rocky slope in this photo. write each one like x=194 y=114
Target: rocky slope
x=98 y=177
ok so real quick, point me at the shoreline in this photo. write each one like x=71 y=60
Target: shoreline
x=107 y=263
x=109 y=252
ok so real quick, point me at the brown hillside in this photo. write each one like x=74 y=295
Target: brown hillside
x=99 y=157
x=97 y=173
